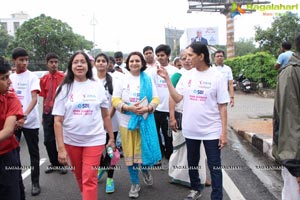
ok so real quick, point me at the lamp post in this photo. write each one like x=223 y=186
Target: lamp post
x=94 y=23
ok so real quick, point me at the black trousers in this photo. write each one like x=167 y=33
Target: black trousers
x=110 y=172
x=49 y=138
x=10 y=176
x=32 y=140
x=162 y=122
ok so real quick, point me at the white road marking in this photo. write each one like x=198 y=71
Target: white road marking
x=28 y=171
x=230 y=188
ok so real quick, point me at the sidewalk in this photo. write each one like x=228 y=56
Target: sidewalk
x=258 y=132
x=251 y=118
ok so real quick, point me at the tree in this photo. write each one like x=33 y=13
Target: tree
x=44 y=34
x=5 y=40
x=283 y=28
x=244 y=47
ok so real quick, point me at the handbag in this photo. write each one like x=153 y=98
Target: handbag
x=106 y=161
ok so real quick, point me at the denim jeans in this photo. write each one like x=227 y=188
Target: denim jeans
x=213 y=154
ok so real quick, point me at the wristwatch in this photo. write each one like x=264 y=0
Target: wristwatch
x=25 y=117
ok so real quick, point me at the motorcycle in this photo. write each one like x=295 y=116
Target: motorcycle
x=244 y=83
x=234 y=82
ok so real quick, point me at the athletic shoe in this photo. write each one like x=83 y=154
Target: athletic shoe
x=193 y=195
x=147 y=177
x=134 y=191
x=110 y=185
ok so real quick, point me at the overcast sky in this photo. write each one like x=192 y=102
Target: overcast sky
x=129 y=25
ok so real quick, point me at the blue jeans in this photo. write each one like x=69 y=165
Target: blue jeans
x=213 y=154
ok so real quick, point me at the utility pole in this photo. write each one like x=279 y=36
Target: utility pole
x=94 y=23
x=230 y=34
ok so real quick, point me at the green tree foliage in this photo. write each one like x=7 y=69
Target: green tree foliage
x=244 y=47
x=44 y=34
x=258 y=67
x=5 y=40
x=283 y=28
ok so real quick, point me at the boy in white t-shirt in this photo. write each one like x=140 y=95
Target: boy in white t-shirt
x=26 y=85
x=161 y=113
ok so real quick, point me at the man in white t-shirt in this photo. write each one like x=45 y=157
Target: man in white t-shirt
x=161 y=113
x=26 y=85
x=148 y=53
x=226 y=71
x=120 y=65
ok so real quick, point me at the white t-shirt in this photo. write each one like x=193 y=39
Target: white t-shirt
x=83 y=123
x=129 y=91
x=226 y=71
x=162 y=88
x=23 y=84
x=202 y=92
x=114 y=119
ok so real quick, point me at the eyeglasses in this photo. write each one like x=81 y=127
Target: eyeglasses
x=77 y=62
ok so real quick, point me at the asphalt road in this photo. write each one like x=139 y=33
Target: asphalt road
x=243 y=178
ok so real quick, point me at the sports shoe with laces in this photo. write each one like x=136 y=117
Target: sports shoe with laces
x=110 y=185
x=100 y=173
x=134 y=191
x=194 y=194
x=147 y=177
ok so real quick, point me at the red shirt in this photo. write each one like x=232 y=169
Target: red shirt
x=10 y=105
x=45 y=86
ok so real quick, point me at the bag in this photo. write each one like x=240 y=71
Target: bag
x=106 y=161
x=116 y=158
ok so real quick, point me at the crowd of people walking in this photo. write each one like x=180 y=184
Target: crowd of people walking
x=147 y=109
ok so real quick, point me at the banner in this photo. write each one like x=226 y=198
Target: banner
x=206 y=35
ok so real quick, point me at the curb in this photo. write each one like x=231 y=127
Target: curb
x=261 y=142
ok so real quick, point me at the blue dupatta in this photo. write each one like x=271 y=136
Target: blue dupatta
x=149 y=138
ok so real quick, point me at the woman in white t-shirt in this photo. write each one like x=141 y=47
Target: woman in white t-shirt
x=204 y=118
x=108 y=81
x=80 y=114
x=136 y=98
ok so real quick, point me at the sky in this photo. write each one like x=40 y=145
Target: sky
x=129 y=25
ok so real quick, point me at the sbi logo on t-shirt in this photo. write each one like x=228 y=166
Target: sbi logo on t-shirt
x=198 y=91
x=83 y=105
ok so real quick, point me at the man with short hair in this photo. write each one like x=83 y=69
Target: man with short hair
x=199 y=38
x=49 y=84
x=26 y=85
x=120 y=65
x=285 y=54
x=148 y=53
x=286 y=123
x=226 y=71
x=10 y=112
x=161 y=114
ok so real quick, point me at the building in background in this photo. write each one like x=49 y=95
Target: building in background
x=13 y=23
x=172 y=38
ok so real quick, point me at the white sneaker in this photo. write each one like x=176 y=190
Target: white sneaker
x=147 y=177
x=134 y=191
x=194 y=194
